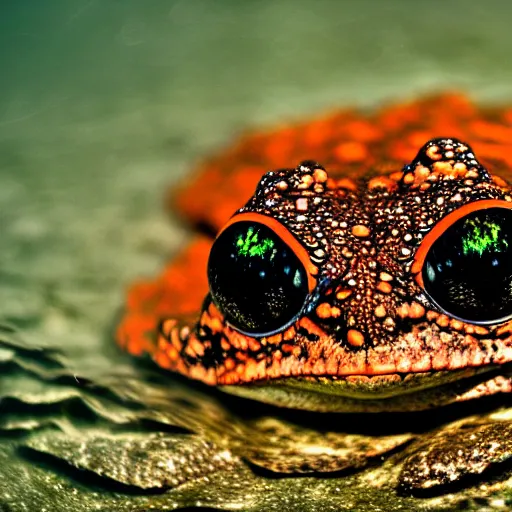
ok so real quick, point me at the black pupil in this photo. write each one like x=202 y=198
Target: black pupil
x=468 y=269
x=256 y=280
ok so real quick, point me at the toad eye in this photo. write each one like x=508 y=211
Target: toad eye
x=467 y=266
x=259 y=275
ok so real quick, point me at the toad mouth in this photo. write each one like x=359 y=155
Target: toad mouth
x=392 y=392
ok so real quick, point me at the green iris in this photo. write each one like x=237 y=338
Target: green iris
x=250 y=245
x=482 y=236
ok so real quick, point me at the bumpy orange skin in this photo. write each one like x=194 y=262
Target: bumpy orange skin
x=389 y=329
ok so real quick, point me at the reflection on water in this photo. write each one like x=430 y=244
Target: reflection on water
x=112 y=439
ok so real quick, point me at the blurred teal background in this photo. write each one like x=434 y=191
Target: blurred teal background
x=104 y=103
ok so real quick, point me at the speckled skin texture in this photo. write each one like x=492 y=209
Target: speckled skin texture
x=456 y=455
x=368 y=315
x=368 y=321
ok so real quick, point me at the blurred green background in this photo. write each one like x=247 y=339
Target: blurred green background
x=105 y=103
